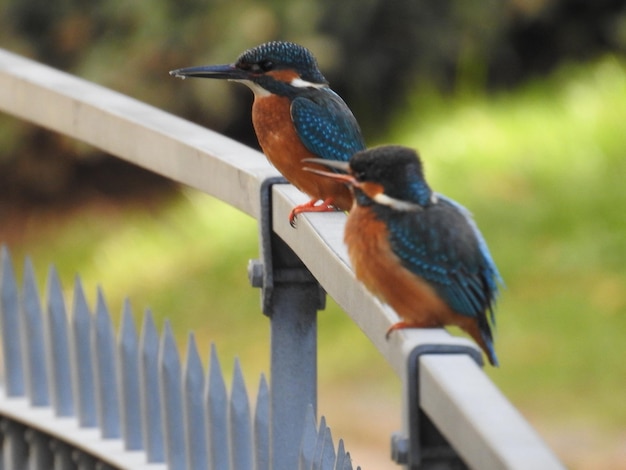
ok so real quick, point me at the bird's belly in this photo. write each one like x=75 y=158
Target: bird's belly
x=277 y=136
x=376 y=265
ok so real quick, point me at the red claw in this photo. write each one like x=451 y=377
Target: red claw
x=312 y=206
x=397 y=326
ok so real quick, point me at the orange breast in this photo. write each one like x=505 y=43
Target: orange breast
x=380 y=270
x=277 y=136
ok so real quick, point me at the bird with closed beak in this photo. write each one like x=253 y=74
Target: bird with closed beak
x=295 y=116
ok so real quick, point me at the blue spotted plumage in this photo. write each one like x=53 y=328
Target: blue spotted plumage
x=325 y=125
x=439 y=245
x=417 y=250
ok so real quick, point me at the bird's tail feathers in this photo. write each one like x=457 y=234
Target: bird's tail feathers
x=486 y=343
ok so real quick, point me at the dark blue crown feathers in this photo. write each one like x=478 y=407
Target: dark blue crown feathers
x=286 y=55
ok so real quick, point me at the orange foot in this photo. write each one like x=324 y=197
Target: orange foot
x=312 y=206
x=397 y=326
x=401 y=325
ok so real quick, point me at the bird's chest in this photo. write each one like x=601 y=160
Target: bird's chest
x=368 y=247
x=380 y=269
x=271 y=117
x=275 y=130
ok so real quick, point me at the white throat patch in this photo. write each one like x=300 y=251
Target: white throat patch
x=258 y=90
x=397 y=204
x=299 y=83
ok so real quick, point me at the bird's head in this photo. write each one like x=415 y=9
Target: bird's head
x=389 y=175
x=275 y=67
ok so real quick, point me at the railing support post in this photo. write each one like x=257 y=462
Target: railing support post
x=291 y=297
x=422 y=446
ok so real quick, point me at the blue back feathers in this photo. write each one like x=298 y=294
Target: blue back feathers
x=442 y=245
x=325 y=124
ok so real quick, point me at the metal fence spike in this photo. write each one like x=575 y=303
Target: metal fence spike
x=348 y=462
x=81 y=354
x=328 y=457
x=262 y=426
x=240 y=425
x=324 y=450
x=10 y=328
x=170 y=378
x=128 y=367
x=309 y=439
x=35 y=358
x=58 y=348
x=150 y=391
x=217 y=415
x=195 y=426
x=341 y=456
x=107 y=402
x=319 y=443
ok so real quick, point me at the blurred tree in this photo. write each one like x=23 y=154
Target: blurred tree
x=540 y=35
x=390 y=47
x=372 y=51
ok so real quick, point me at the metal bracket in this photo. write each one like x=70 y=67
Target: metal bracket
x=278 y=263
x=425 y=447
x=291 y=297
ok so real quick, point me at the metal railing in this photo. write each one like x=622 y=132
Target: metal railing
x=453 y=414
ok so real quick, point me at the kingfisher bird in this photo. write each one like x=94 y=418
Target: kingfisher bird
x=295 y=116
x=416 y=250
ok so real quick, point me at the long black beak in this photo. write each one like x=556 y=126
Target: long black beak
x=223 y=72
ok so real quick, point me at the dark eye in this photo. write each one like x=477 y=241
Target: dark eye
x=260 y=67
x=266 y=65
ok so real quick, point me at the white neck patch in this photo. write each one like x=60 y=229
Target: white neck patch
x=397 y=204
x=299 y=83
x=258 y=90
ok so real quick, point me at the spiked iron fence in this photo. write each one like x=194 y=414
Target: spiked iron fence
x=135 y=390
x=79 y=396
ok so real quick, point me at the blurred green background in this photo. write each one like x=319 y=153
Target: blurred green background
x=517 y=107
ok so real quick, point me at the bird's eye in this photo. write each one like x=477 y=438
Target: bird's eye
x=266 y=65
x=260 y=67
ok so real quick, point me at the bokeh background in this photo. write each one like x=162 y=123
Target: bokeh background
x=517 y=107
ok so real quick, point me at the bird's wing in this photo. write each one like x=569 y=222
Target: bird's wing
x=482 y=244
x=326 y=125
x=493 y=276
x=440 y=245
